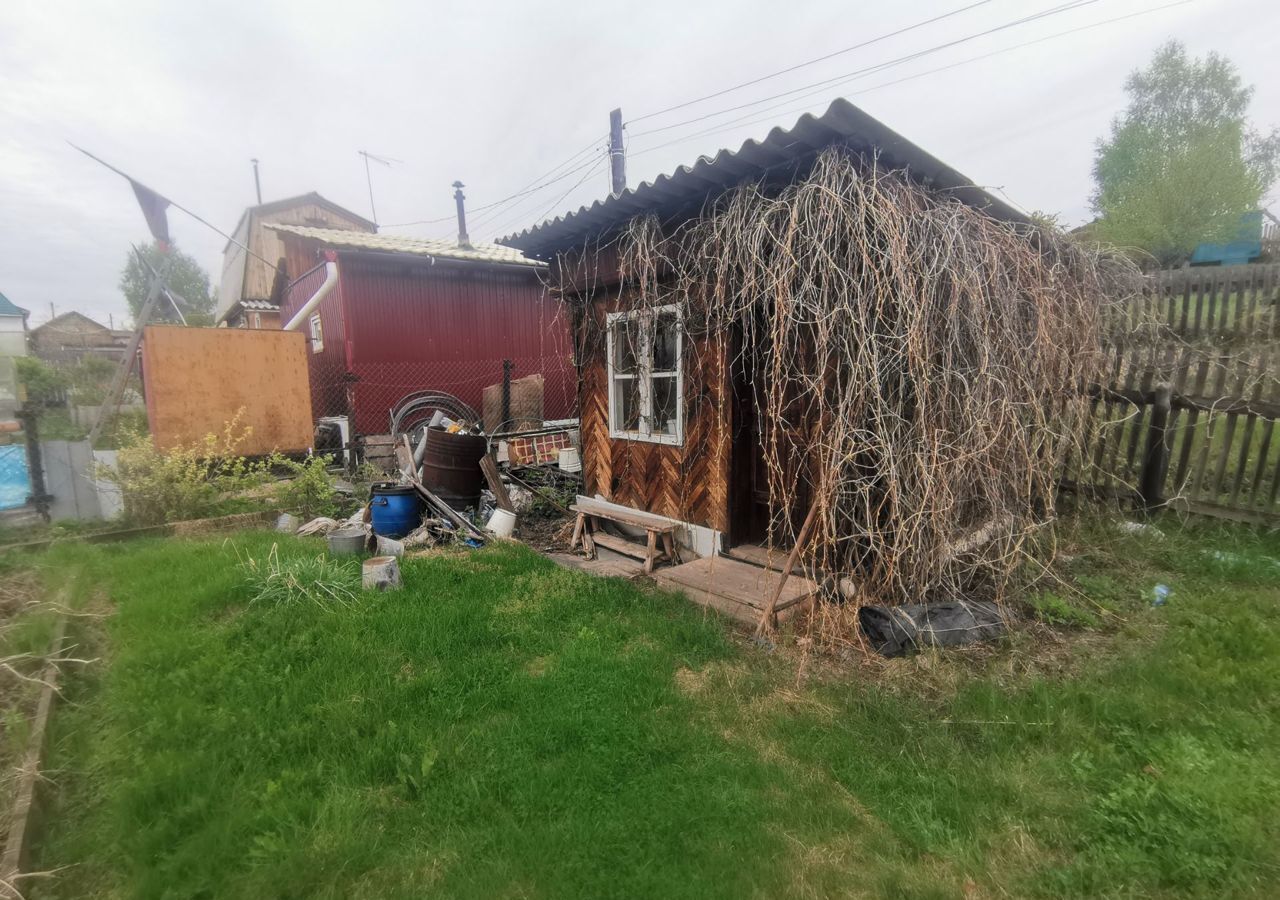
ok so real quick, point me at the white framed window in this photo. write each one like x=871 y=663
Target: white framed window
x=317 y=334
x=255 y=320
x=646 y=377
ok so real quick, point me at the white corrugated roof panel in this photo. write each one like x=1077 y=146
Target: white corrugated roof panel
x=390 y=243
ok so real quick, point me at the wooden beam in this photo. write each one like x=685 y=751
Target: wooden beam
x=766 y=619
x=489 y=466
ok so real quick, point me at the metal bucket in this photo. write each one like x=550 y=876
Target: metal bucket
x=451 y=466
x=347 y=541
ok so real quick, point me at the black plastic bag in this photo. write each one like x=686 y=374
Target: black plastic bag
x=897 y=630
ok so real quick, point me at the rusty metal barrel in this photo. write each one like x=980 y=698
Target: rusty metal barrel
x=451 y=467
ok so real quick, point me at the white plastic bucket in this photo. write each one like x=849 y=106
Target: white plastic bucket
x=569 y=460
x=502 y=523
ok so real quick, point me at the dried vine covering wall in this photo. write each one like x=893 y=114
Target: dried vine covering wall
x=927 y=359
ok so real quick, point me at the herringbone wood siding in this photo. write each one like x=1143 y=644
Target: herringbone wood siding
x=690 y=483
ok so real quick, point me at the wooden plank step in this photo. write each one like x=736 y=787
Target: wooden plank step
x=737 y=582
x=760 y=556
x=739 y=612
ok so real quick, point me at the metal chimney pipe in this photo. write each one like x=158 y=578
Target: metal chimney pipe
x=460 y=200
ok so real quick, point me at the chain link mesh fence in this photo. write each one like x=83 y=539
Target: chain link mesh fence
x=367 y=393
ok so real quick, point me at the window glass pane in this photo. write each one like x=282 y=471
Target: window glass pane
x=626 y=345
x=626 y=399
x=666 y=328
x=665 y=405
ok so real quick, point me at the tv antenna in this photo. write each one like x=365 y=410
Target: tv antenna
x=368 y=177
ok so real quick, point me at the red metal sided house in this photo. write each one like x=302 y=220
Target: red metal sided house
x=399 y=315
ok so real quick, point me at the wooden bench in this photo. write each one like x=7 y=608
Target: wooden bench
x=657 y=529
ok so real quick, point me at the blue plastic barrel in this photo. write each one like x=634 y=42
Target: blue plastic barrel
x=397 y=509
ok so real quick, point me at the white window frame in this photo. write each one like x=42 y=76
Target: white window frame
x=317 y=334
x=644 y=375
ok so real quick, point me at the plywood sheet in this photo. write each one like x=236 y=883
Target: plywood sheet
x=198 y=379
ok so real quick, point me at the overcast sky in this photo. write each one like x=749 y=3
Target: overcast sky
x=182 y=95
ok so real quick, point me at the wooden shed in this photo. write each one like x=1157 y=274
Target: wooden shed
x=687 y=408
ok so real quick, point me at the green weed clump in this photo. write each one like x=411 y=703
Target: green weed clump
x=320 y=581
x=1054 y=610
x=309 y=491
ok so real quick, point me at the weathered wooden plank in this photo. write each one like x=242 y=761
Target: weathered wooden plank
x=1228 y=434
x=1200 y=304
x=1186 y=306
x=1210 y=294
x=1218 y=511
x=1120 y=425
x=1197 y=480
x=636 y=518
x=763 y=557
x=1256 y=492
x=1242 y=291
x=738 y=581
x=1098 y=476
x=1246 y=442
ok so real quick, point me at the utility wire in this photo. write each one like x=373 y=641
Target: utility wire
x=596 y=145
x=1063 y=7
x=521 y=209
x=812 y=62
x=726 y=126
x=827 y=82
x=555 y=204
x=535 y=187
x=176 y=206
x=528 y=189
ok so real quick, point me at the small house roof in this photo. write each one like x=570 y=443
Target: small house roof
x=311 y=197
x=387 y=243
x=779 y=156
x=57 y=322
x=9 y=308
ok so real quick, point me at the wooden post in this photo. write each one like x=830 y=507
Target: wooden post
x=1155 y=461
x=617 y=156
x=506 y=397
x=116 y=392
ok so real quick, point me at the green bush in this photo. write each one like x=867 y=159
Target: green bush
x=44 y=383
x=194 y=482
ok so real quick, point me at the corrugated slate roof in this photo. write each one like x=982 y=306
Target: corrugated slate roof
x=776 y=158
x=260 y=305
x=9 y=308
x=387 y=243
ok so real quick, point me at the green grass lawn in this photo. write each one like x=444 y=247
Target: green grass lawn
x=506 y=728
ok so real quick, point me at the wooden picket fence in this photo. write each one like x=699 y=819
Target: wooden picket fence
x=1222 y=304
x=1185 y=415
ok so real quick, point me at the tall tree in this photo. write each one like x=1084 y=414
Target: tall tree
x=186 y=279
x=1182 y=163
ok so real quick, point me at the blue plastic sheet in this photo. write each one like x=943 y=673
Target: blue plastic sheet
x=15 y=480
